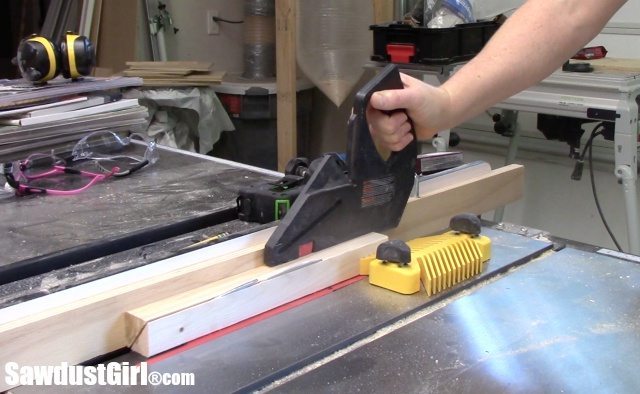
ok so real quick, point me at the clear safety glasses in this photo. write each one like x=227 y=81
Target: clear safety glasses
x=95 y=157
x=37 y=175
x=108 y=150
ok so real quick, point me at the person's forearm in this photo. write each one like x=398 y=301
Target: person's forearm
x=534 y=42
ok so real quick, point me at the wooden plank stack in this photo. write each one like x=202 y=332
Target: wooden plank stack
x=38 y=118
x=174 y=73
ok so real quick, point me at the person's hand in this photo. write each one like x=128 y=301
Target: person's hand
x=424 y=106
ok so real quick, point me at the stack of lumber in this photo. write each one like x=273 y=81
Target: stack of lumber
x=37 y=118
x=174 y=73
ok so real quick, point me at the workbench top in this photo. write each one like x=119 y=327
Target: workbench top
x=119 y=223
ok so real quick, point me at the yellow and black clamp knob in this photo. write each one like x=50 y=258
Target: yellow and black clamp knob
x=466 y=223
x=78 y=56
x=38 y=59
x=394 y=269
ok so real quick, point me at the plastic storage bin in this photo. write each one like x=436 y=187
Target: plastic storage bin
x=401 y=43
x=252 y=110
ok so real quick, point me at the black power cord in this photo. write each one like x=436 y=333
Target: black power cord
x=595 y=197
x=577 y=175
x=218 y=19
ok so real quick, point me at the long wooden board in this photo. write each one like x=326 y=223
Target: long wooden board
x=176 y=320
x=615 y=64
x=173 y=321
x=175 y=80
x=432 y=212
x=118 y=34
x=382 y=11
x=164 y=73
x=176 y=83
x=86 y=321
x=286 y=81
x=170 y=65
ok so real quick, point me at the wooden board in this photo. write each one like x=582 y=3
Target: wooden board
x=176 y=320
x=152 y=78
x=613 y=64
x=286 y=81
x=432 y=212
x=382 y=11
x=175 y=83
x=117 y=35
x=213 y=76
x=174 y=73
x=95 y=24
x=171 y=65
x=165 y=73
x=86 y=321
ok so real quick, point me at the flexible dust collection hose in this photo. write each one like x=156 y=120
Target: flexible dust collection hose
x=259 y=39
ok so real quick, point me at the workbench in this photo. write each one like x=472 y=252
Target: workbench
x=601 y=95
x=544 y=316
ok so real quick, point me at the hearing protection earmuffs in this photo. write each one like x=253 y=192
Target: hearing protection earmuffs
x=78 y=56
x=40 y=60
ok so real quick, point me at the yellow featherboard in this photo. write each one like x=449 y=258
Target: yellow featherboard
x=439 y=261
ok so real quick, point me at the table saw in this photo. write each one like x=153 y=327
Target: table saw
x=542 y=317
x=51 y=243
x=545 y=315
x=89 y=278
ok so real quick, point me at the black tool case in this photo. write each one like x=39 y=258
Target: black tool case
x=401 y=43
